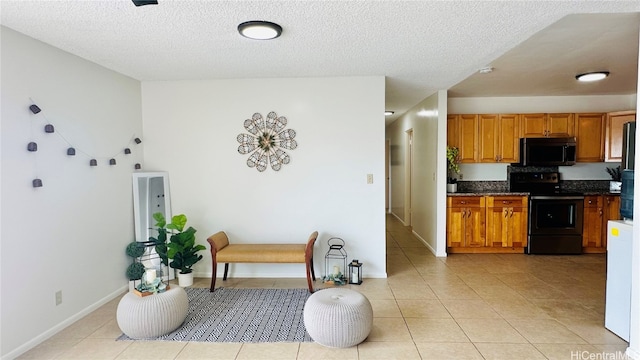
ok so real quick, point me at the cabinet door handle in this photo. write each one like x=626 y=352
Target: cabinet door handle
x=600 y=212
x=506 y=212
x=462 y=202
x=510 y=212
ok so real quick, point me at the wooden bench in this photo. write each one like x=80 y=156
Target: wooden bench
x=223 y=252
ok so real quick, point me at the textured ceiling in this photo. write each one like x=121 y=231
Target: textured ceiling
x=419 y=46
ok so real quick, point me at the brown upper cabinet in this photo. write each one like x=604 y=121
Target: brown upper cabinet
x=494 y=138
x=613 y=133
x=590 y=137
x=498 y=138
x=462 y=132
x=547 y=125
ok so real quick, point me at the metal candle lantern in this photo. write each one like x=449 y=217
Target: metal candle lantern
x=355 y=272
x=335 y=261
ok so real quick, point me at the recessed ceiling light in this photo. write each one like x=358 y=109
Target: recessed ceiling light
x=260 y=30
x=592 y=76
x=388 y=113
x=486 y=70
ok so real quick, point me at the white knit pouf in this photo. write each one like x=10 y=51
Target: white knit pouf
x=338 y=317
x=153 y=315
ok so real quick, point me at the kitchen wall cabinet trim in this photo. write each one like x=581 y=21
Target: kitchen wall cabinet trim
x=613 y=133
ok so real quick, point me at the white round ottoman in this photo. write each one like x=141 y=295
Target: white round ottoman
x=154 y=315
x=338 y=317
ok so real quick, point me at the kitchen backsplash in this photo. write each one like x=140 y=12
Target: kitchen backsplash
x=498 y=172
x=503 y=186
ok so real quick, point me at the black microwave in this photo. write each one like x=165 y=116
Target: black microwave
x=547 y=151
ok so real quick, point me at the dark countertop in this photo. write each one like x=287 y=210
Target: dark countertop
x=499 y=193
x=600 y=192
x=488 y=193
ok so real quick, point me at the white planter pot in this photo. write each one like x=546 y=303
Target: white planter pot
x=185 y=280
x=451 y=188
x=615 y=186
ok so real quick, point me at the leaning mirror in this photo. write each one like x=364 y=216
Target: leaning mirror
x=150 y=195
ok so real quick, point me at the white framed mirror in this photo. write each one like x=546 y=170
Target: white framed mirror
x=151 y=195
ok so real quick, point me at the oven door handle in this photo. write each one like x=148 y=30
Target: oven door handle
x=546 y=197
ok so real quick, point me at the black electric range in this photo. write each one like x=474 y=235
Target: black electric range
x=555 y=216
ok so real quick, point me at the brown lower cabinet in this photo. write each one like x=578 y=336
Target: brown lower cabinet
x=598 y=210
x=465 y=222
x=486 y=224
x=507 y=222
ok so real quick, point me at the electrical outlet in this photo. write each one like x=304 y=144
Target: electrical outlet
x=58 y=297
x=460 y=176
x=369 y=178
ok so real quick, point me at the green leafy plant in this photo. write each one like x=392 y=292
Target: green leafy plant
x=616 y=173
x=135 y=271
x=135 y=249
x=181 y=248
x=452 y=164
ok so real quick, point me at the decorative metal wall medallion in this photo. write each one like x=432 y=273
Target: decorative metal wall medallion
x=266 y=141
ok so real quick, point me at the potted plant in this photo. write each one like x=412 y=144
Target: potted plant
x=615 y=185
x=452 y=169
x=181 y=248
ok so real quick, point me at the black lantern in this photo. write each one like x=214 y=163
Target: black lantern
x=335 y=262
x=355 y=272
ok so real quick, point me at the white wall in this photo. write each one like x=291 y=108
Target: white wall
x=428 y=178
x=70 y=234
x=493 y=105
x=190 y=131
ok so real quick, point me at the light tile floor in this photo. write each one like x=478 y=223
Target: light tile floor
x=475 y=306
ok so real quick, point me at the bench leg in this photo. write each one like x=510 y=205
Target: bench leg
x=214 y=274
x=226 y=271
x=309 y=271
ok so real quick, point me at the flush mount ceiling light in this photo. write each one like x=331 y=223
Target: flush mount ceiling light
x=388 y=113
x=592 y=76
x=260 y=30
x=144 y=2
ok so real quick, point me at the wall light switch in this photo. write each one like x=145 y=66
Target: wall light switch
x=369 y=178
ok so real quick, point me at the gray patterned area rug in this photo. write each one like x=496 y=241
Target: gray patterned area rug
x=242 y=315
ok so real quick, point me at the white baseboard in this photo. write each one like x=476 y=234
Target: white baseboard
x=633 y=354
x=62 y=325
